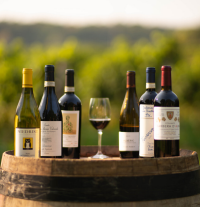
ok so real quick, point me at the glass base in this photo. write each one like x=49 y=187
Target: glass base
x=99 y=156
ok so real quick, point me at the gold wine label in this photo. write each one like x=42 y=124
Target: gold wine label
x=27 y=78
x=150 y=85
x=49 y=83
x=69 y=89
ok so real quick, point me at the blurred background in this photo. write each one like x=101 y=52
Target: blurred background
x=100 y=40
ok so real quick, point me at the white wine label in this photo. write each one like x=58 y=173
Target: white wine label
x=51 y=138
x=70 y=128
x=146 y=130
x=150 y=85
x=166 y=123
x=69 y=89
x=25 y=141
x=49 y=83
x=128 y=141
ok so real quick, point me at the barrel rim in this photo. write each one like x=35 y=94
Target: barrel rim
x=186 y=162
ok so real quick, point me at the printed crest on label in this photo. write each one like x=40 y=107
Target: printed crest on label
x=166 y=123
x=170 y=114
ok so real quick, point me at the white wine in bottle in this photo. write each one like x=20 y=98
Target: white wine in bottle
x=129 y=121
x=27 y=120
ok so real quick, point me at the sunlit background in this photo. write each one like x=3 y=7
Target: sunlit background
x=100 y=40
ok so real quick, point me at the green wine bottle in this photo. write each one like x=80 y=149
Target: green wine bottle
x=129 y=121
x=27 y=120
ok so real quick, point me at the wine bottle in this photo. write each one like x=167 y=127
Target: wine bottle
x=70 y=106
x=129 y=121
x=51 y=118
x=146 y=102
x=27 y=120
x=166 y=118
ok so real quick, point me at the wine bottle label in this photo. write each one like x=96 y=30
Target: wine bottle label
x=70 y=128
x=166 y=123
x=51 y=138
x=49 y=83
x=146 y=130
x=128 y=141
x=150 y=85
x=69 y=89
x=25 y=141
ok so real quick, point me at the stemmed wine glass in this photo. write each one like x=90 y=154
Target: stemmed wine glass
x=99 y=116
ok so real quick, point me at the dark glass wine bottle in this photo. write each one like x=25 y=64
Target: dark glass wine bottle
x=27 y=120
x=129 y=121
x=51 y=118
x=166 y=118
x=146 y=102
x=70 y=106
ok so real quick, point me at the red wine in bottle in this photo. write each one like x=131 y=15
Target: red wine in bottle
x=51 y=118
x=70 y=106
x=129 y=121
x=166 y=118
x=147 y=115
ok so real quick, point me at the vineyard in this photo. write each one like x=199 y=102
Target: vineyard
x=100 y=71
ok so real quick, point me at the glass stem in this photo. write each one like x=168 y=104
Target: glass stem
x=100 y=132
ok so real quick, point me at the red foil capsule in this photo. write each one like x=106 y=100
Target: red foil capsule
x=166 y=75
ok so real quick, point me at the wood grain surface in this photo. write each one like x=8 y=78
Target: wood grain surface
x=42 y=182
x=114 y=166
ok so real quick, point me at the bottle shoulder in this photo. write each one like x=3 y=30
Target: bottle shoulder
x=148 y=97
x=130 y=102
x=49 y=100
x=130 y=110
x=27 y=113
x=69 y=99
x=26 y=103
x=49 y=107
x=166 y=98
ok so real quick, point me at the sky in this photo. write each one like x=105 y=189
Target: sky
x=156 y=13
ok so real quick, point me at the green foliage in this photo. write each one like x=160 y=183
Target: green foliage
x=56 y=34
x=100 y=71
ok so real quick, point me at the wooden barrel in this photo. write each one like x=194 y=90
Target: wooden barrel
x=173 y=181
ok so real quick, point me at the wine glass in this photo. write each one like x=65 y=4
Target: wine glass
x=99 y=116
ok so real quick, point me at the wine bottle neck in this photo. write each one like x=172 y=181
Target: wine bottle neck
x=49 y=89
x=166 y=88
x=131 y=90
x=130 y=80
x=27 y=78
x=27 y=91
x=150 y=79
x=69 y=81
x=150 y=86
x=49 y=83
x=69 y=89
x=150 y=89
x=166 y=80
x=69 y=92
